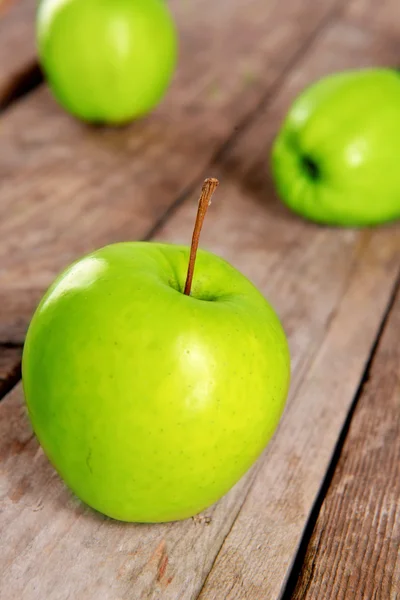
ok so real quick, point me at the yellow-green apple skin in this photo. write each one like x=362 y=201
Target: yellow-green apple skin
x=151 y=404
x=106 y=61
x=336 y=157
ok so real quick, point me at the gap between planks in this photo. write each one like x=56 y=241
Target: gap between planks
x=221 y=152
x=10 y=367
x=299 y=561
x=19 y=71
x=359 y=520
x=22 y=84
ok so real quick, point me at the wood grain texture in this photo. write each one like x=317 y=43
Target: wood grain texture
x=17 y=44
x=380 y=15
x=67 y=188
x=354 y=550
x=331 y=314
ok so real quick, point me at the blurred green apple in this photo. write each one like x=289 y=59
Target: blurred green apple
x=106 y=61
x=336 y=158
x=151 y=403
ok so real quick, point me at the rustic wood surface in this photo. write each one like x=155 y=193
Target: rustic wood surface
x=66 y=188
x=17 y=45
x=354 y=550
x=382 y=15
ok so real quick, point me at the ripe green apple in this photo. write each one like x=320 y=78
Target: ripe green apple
x=106 y=61
x=336 y=158
x=150 y=403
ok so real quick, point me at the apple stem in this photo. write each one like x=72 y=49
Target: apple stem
x=209 y=187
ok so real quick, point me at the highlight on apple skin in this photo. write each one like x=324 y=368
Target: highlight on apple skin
x=106 y=61
x=151 y=404
x=336 y=157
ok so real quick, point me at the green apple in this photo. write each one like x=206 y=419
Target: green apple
x=106 y=61
x=336 y=158
x=151 y=399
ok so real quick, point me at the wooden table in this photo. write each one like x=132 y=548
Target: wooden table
x=319 y=515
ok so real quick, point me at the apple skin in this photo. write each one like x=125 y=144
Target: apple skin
x=149 y=403
x=336 y=158
x=106 y=61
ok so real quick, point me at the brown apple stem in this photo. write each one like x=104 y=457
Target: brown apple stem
x=209 y=187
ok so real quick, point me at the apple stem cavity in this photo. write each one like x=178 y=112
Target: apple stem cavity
x=209 y=187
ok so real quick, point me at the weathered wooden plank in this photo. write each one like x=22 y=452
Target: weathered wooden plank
x=354 y=550
x=331 y=314
x=66 y=188
x=383 y=15
x=17 y=45
x=10 y=360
